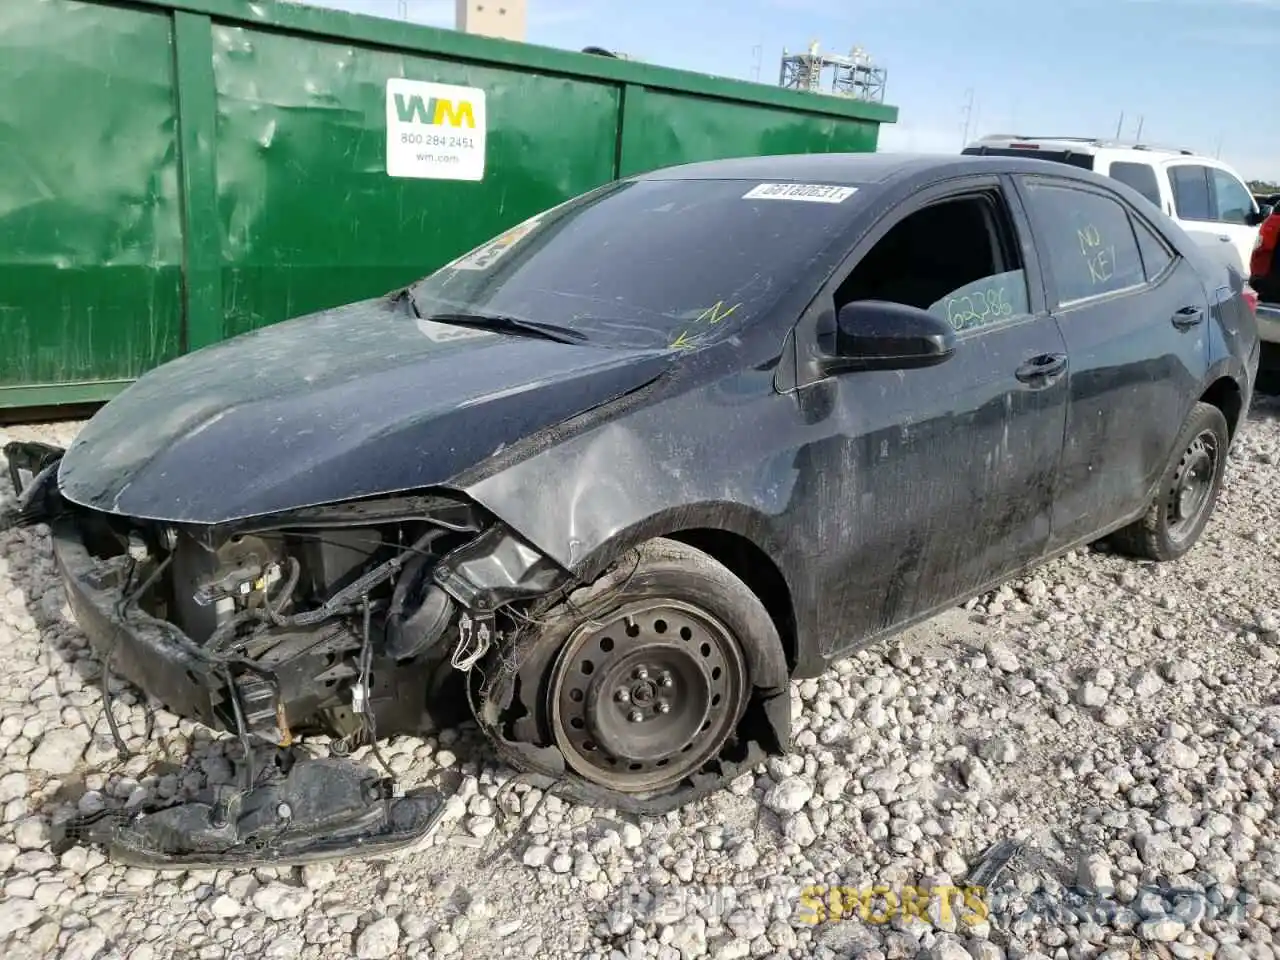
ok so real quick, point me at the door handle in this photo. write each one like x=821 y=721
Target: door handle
x=1224 y=239
x=1188 y=317
x=1041 y=368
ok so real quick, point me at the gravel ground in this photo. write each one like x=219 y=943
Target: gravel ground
x=1115 y=724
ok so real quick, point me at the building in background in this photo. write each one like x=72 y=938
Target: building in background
x=505 y=19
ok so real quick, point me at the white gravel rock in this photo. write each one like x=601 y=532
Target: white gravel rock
x=379 y=940
x=789 y=796
x=13 y=786
x=280 y=901
x=1175 y=754
x=225 y=907
x=799 y=830
x=948 y=947
x=1163 y=854
x=1164 y=930
x=85 y=944
x=31 y=834
x=976 y=776
x=59 y=751
x=317 y=876
x=1092 y=695
x=1000 y=750
x=1001 y=657
x=17 y=913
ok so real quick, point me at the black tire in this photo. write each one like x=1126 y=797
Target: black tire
x=1187 y=492
x=645 y=675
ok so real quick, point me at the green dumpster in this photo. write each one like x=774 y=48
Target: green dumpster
x=175 y=172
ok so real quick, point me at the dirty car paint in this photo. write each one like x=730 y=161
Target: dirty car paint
x=902 y=466
x=851 y=492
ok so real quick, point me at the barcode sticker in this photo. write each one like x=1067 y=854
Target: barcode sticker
x=811 y=192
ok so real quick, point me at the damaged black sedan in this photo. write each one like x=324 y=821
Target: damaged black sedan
x=609 y=481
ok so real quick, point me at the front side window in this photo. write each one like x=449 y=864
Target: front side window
x=648 y=263
x=1191 y=196
x=1140 y=176
x=954 y=258
x=1234 y=202
x=1087 y=238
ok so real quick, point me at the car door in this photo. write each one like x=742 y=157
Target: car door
x=1235 y=212
x=1133 y=314
x=927 y=484
x=1215 y=208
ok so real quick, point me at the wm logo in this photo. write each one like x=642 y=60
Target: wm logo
x=435 y=111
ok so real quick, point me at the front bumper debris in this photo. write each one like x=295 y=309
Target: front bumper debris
x=322 y=809
x=152 y=654
x=296 y=813
x=37 y=492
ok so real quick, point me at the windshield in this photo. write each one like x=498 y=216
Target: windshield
x=649 y=263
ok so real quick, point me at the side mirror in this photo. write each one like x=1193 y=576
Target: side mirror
x=879 y=335
x=1264 y=211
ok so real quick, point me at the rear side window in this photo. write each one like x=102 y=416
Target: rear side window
x=1140 y=176
x=1088 y=238
x=1234 y=202
x=1156 y=255
x=1191 y=192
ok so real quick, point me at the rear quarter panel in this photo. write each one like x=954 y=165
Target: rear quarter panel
x=1233 y=328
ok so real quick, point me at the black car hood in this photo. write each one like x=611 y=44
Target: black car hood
x=357 y=401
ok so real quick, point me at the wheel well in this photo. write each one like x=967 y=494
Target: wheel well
x=753 y=567
x=1224 y=393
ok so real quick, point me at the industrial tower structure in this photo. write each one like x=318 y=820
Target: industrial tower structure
x=853 y=76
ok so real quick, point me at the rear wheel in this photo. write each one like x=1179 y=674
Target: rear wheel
x=1187 y=493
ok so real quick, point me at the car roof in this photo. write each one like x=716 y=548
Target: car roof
x=860 y=169
x=836 y=168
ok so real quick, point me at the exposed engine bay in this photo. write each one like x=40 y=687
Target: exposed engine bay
x=322 y=622
x=358 y=620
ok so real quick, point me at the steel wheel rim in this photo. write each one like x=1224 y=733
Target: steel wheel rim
x=646 y=695
x=1192 y=486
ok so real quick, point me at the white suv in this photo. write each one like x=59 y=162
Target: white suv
x=1206 y=197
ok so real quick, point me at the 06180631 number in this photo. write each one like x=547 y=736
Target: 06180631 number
x=978 y=308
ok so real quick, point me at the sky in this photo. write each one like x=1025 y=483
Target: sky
x=1195 y=73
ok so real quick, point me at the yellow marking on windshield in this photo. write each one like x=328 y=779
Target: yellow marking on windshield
x=714 y=314
x=683 y=342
